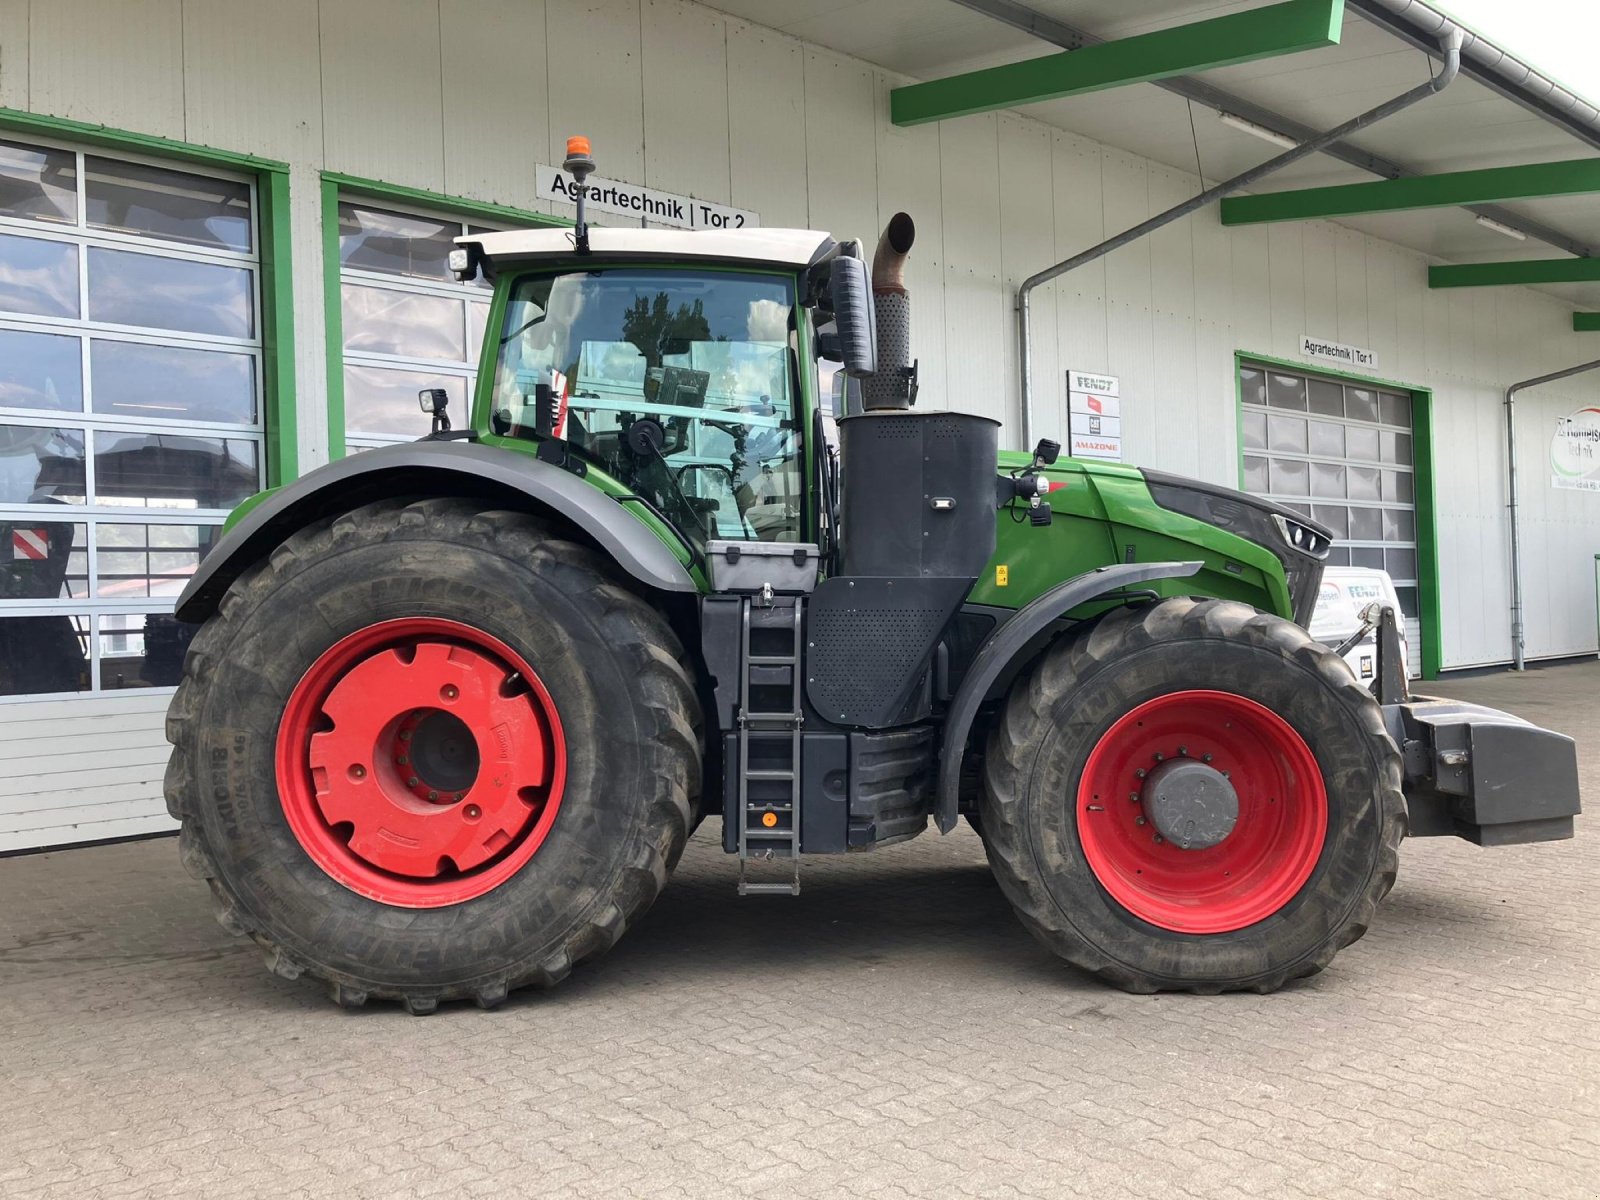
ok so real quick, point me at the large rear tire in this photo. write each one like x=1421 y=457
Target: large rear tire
x=1193 y=796
x=428 y=753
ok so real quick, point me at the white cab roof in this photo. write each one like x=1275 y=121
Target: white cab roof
x=782 y=247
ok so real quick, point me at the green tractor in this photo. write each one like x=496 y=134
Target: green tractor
x=456 y=705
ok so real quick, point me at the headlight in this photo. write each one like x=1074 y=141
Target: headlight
x=1299 y=543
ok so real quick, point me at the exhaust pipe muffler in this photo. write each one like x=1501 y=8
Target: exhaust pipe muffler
x=895 y=383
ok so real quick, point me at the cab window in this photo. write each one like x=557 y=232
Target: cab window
x=680 y=384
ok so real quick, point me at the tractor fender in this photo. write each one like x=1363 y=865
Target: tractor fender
x=431 y=468
x=1013 y=640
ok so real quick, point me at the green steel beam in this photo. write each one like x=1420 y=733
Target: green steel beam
x=1504 y=274
x=1585 y=322
x=1488 y=186
x=1201 y=46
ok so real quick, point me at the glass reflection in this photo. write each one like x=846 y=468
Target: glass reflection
x=374 y=239
x=41 y=655
x=40 y=370
x=143 y=561
x=42 y=559
x=384 y=402
x=384 y=321
x=172 y=383
x=160 y=470
x=127 y=288
x=174 y=205
x=38 y=183
x=38 y=277
x=41 y=465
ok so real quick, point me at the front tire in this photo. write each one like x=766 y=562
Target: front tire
x=428 y=753
x=1284 y=834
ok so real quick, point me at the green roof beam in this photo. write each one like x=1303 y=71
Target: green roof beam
x=1507 y=274
x=1185 y=50
x=1585 y=322
x=1491 y=185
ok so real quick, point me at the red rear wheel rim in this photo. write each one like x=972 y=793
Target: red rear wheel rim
x=420 y=762
x=1251 y=873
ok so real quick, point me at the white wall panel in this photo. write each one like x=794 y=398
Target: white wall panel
x=1082 y=320
x=767 y=125
x=1028 y=245
x=237 y=98
x=495 y=98
x=975 y=309
x=113 y=63
x=841 y=174
x=685 y=99
x=381 y=93
x=14 y=53
x=596 y=82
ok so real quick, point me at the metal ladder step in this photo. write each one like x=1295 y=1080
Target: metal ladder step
x=756 y=841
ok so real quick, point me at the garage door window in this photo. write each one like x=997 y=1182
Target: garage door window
x=1342 y=453
x=407 y=324
x=130 y=407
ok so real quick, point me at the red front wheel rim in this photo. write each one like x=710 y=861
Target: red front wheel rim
x=1253 y=871
x=420 y=762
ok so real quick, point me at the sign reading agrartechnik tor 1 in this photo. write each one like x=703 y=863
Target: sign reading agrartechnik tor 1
x=631 y=200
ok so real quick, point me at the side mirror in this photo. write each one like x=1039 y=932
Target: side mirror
x=850 y=286
x=434 y=402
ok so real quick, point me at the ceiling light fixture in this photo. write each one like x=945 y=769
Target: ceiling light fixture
x=1260 y=131
x=1501 y=228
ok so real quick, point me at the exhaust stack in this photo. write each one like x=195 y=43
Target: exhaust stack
x=895 y=384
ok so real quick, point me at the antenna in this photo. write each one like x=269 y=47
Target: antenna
x=579 y=164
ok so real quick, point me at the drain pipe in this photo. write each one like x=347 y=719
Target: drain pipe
x=1451 y=48
x=1518 y=662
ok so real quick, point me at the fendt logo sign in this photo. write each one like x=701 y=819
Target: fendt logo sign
x=631 y=200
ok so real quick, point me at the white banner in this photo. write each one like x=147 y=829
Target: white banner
x=1575 y=451
x=1094 y=415
x=1337 y=352
x=631 y=200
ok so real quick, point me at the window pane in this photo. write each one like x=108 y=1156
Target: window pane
x=1396 y=447
x=1366 y=557
x=1366 y=525
x=1397 y=486
x=40 y=370
x=139 y=561
x=1255 y=430
x=1396 y=410
x=1362 y=443
x=383 y=401
x=43 y=559
x=1339 y=556
x=169 y=293
x=1287 y=434
x=1255 y=474
x=40 y=465
x=1400 y=562
x=1408 y=601
x=1360 y=404
x=1327 y=399
x=169 y=470
x=477 y=322
x=1335 y=517
x=44 y=654
x=384 y=321
x=1327 y=439
x=142 y=650
x=133 y=380
x=1252 y=385
x=1286 y=391
x=175 y=205
x=38 y=277
x=1327 y=479
x=1362 y=482
x=1399 y=525
x=39 y=183
x=1288 y=477
x=372 y=239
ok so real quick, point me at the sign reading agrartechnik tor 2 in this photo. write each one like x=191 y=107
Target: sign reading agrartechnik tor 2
x=631 y=200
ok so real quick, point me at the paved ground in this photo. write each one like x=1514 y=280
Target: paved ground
x=890 y=1033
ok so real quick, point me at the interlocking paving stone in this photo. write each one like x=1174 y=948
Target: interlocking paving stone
x=892 y=1032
